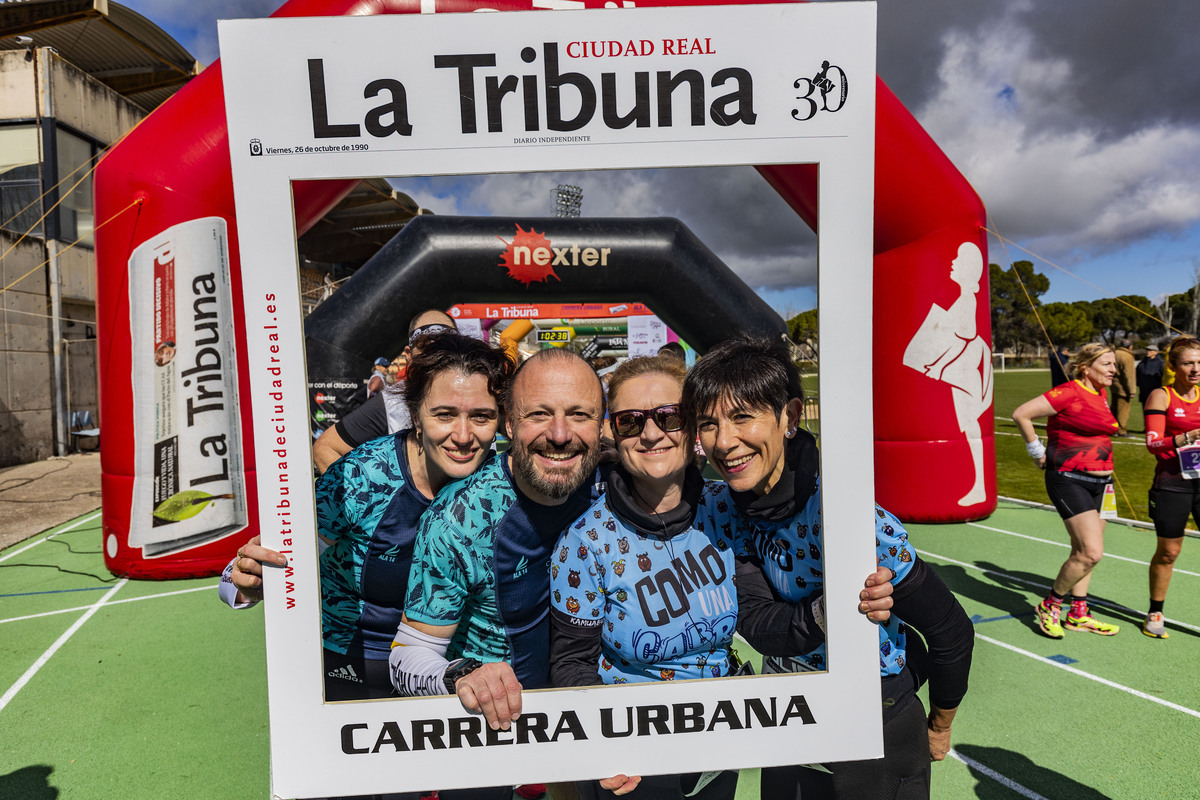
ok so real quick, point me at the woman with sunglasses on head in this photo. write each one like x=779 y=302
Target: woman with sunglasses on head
x=746 y=399
x=1172 y=423
x=642 y=585
x=1078 y=460
x=385 y=412
x=369 y=503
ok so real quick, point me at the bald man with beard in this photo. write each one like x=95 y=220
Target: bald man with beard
x=477 y=618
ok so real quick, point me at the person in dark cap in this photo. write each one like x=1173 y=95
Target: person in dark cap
x=1149 y=373
x=1058 y=366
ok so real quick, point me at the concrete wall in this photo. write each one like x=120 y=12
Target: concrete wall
x=18 y=96
x=79 y=100
x=27 y=378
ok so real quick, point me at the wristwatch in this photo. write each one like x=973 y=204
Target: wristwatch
x=459 y=669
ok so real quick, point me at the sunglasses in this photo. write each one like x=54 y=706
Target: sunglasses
x=427 y=330
x=631 y=423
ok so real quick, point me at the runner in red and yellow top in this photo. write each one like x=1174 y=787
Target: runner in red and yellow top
x=1080 y=452
x=1172 y=424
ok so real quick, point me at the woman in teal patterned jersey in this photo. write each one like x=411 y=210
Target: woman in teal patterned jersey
x=746 y=398
x=370 y=501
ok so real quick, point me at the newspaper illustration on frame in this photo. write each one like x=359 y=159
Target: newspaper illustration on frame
x=408 y=95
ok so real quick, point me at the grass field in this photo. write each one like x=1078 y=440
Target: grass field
x=147 y=690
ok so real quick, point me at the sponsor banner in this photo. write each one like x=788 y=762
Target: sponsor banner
x=565 y=312
x=332 y=398
x=646 y=335
x=471 y=327
x=450 y=94
x=188 y=482
x=540 y=91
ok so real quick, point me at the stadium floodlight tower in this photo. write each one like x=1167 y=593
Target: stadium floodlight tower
x=568 y=200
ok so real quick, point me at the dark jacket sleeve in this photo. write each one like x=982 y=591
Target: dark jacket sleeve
x=772 y=625
x=574 y=650
x=924 y=603
x=367 y=422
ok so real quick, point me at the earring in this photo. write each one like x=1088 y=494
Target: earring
x=791 y=432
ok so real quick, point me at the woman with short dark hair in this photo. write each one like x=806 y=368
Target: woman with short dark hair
x=746 y=398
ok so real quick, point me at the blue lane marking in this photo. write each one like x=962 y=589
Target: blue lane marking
x=978 y=618
x=1061 y=659
x=56 y=591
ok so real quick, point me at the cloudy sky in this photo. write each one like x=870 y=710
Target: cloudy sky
x=1077 y=121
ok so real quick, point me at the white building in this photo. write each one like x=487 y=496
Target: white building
x=74 y=76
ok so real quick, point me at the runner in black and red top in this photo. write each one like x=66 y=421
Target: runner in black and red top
x=1079 y=451
x=1172 y=424
x=1077 y=435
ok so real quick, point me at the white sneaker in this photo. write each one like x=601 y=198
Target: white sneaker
x=1154 y=626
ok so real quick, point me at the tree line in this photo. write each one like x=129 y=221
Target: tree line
x=1131 y=316
x=1015 y=327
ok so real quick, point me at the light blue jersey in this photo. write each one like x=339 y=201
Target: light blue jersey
x=667 y=606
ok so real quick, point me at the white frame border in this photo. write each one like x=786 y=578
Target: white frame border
x=306 y=756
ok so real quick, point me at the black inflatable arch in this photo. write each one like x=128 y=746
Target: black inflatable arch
x=437 y=262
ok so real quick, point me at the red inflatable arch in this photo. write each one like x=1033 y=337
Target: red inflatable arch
x=934 y=453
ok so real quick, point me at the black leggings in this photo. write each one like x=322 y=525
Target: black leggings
x=1170 y=511
x=668 y=787
x=1074 y=493
x=902 y=773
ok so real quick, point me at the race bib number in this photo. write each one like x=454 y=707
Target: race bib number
x=1189 y=461
x=1108 y=509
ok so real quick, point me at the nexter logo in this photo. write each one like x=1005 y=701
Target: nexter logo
x=530 y=257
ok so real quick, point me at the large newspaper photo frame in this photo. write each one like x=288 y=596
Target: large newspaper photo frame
x=398 y=95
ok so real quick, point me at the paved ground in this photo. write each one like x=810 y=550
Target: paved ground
x=36 y=497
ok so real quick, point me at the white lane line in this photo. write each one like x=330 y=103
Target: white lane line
x=113 y=603
x=1042 y=586
x=1064 y=544
x=1126 y=521
x=51 y=536
x=1090 y=677
x=37 y=665
x=1008 y=783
